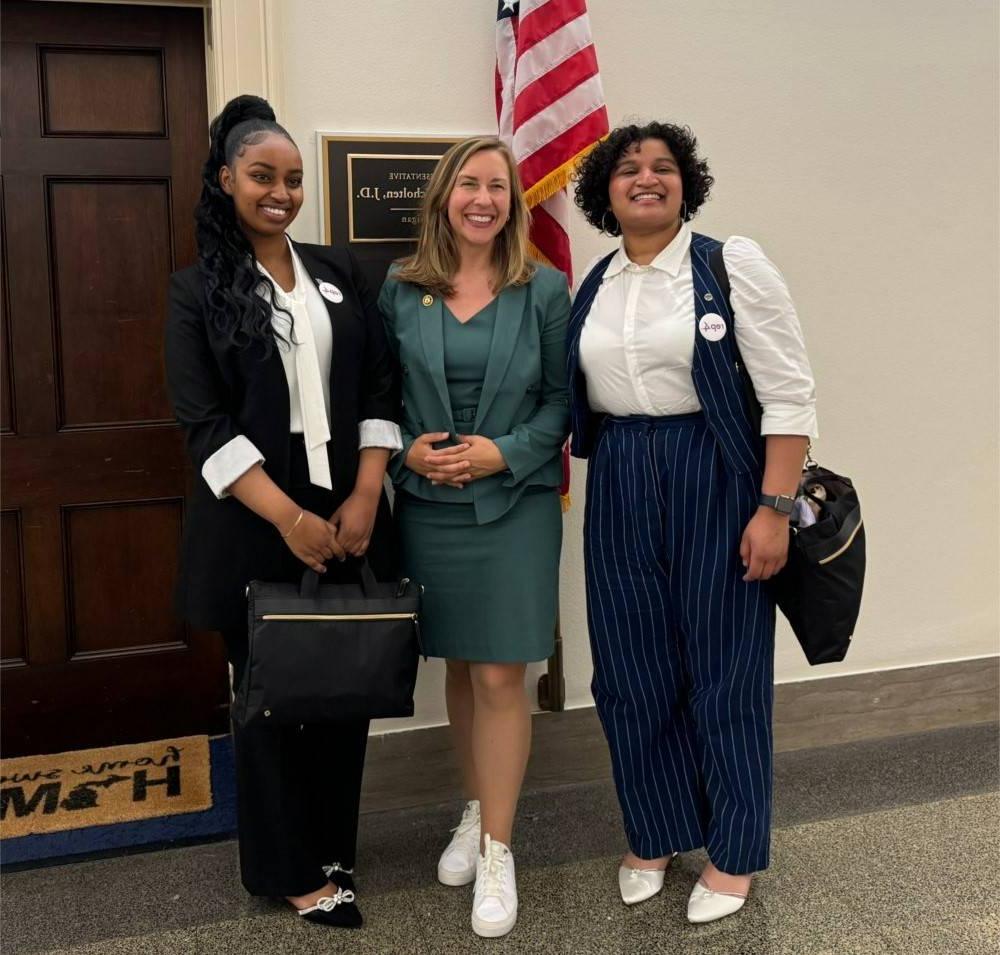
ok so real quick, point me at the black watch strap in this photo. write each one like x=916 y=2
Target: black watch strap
x=779 y=502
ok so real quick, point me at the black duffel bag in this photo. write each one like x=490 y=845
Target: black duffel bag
x=322 y=653
x=819 y=589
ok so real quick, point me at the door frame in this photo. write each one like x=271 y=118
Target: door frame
x=242 y=52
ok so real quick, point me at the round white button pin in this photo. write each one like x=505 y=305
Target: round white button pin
x=330 y=292
x=712 y=326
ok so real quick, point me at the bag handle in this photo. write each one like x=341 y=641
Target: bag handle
x=310 y=580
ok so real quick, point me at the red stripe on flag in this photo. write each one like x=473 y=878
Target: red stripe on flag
x=564 y=147
x=551 y=240
x=498 y=90
x=543 y=22
x=555 y=84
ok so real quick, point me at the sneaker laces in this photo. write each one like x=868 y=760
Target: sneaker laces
x=469 y=824
x=493 y=875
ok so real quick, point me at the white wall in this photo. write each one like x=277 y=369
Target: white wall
x=857 y=142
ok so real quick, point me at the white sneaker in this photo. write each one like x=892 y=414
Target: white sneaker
x=457 y=865
x=494 y=904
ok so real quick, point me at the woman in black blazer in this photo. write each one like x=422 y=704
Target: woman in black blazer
x=282 y=381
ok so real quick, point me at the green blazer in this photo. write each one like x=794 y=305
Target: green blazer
x=524 y=405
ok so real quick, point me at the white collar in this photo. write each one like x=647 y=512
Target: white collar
x=669 y=260
x=297 y=296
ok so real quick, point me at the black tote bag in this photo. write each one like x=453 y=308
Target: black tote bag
x=819 y=588
x=321 y=653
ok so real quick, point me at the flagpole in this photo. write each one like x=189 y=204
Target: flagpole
x=552 y=683
x=551 y=115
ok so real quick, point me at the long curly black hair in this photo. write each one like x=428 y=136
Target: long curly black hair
x=594 y=174
x=225 y=256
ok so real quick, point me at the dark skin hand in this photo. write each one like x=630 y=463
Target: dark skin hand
x=764 y=546
x=354 y=520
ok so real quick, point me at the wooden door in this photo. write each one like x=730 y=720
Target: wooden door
x=104 y=129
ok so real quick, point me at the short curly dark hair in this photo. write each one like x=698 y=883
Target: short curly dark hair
x=594 y=174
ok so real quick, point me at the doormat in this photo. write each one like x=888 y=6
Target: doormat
x=116 y=799
x=94 y=787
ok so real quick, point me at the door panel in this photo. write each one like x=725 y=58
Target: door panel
x=113 y=92
x=104 y=128
x=134 y=542
x=12 y=643
x=109 y=321
x=6 y=386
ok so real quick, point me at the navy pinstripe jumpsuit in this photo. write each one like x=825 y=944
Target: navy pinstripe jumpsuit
x=683 y=648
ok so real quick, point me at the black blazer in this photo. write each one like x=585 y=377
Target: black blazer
x=220 y=391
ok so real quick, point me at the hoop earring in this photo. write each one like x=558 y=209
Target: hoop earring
x=604 y=223
x=684 y=210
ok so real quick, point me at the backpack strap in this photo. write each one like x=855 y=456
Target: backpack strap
x=717 y=264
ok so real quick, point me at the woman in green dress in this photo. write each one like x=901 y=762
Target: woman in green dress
x=479 y=332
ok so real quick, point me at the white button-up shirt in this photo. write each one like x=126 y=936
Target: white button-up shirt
x=637 y=344
x=306 y=356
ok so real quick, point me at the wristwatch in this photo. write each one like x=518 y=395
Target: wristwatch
x=782 y=503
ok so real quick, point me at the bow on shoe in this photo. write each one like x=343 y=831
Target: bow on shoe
x=337 y=910
x=329 y=902
x=342 y=878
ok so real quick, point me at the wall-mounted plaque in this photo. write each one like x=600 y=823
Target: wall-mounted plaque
x=384 y=193
x=371 y=192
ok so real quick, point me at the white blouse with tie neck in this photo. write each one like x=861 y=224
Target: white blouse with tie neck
x=306 y=356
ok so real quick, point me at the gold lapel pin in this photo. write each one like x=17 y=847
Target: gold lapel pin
x=427 y=300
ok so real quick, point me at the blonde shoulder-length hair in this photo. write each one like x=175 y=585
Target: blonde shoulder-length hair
x=436 y=260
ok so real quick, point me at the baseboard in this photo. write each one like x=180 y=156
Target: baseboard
x=417 y=768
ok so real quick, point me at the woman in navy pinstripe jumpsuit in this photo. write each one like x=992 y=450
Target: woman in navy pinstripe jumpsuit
x=688 y=495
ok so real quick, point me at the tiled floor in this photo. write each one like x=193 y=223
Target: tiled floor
x=880 y=847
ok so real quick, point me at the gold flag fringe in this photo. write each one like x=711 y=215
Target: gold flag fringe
x=555 y=180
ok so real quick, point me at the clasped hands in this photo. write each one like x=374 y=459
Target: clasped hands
x=474 y=457
x=314 y=540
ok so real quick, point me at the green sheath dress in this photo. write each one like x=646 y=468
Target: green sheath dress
x=490 y=590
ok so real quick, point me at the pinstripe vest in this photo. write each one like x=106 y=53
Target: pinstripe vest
x=715 y=369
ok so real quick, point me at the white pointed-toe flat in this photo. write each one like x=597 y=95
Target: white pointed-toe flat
x=705 y=905
x=637 y=885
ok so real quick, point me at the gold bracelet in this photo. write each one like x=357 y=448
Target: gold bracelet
x=292 y=528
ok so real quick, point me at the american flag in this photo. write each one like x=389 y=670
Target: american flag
x=550 y=109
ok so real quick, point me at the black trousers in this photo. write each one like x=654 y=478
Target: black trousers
x=298 y=792
x=298 y=788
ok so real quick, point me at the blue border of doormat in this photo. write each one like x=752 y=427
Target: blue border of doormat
x=120 y=838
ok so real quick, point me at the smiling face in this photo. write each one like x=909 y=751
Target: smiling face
x=646 y=190
x=265 y=182
x=479 y=203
